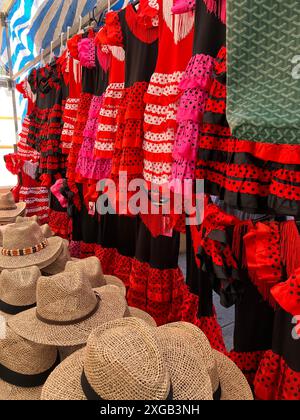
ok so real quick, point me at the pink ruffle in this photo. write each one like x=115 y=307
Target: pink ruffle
x=198 y=73
x=195 y=84
x=182 y=6
x=87 y=53
x=88 y=166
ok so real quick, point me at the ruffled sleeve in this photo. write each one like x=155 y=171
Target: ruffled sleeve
x=148 y=13
x=287 y=294
x=73 y=46
x=111 y=33
x=87 y=53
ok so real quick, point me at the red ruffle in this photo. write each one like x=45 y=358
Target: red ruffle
x=275 y=380
x=287 y=294
x=247 y=362
x=263 y=260
x=59 y=223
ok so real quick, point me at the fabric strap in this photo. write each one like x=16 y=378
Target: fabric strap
x=12 y=309
x=217 y=395
x=73 y=321
x=26 y=381
x=92 y=395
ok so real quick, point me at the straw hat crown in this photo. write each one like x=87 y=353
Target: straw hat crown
x=7 y=202
x=18 y=287
x=65 y=297
x=196 y=338
x=90 y=266
x=25 y=357
x=122 y=360
x=22 y=235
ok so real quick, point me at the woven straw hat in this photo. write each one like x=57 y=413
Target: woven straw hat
x=28 y=245
x=227 y=380
x=9 y=209
x=18 y=290
x=60 y=263
x=24 y=367
x=21 y=219
x=122 y=360
x=138 y=313
x=47 y=231
x=92 y=270
x=68 y=309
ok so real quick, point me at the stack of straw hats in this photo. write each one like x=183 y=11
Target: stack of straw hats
x=52 y=306
x=127 y=359
x=9 y=209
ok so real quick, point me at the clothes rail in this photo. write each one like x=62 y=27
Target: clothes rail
x=100 y=8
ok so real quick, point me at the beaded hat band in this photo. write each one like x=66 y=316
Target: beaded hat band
x=24 y=251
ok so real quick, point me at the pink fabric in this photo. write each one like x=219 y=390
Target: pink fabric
x=182 y=6
x=55 y=189
x=195 y=83
x=87 y=52
x=89 y=166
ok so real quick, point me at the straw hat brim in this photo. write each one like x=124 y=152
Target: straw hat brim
x=112 y=306
x=234 y=385
x=115 y=281
x=64 y=382
x=42 y=258
x=12 y=214
x=138 y=313
x=10 y=392
x=5 y=316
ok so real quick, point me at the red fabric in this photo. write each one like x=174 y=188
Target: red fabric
x=262 y=247
x=138 y=24
x=275 y=380
x=287 y=294
x=290 y=246
x=247 y=362
x=59 y=223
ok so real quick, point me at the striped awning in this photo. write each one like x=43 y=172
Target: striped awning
x=35 y=23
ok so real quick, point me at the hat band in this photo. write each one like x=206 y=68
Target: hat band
x=217 y=395
x=74 y=321
x=25 y=251
x=8 y=208
x=91 y=394
x=26 y=381
x=14 y=310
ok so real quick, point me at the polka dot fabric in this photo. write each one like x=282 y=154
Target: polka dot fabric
x=275 y=380
x=195 y=86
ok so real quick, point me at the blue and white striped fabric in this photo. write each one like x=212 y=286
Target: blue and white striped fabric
x=35 y=23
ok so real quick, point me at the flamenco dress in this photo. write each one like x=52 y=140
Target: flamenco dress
x=73 y=79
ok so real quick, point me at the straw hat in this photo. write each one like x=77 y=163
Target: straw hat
x=9 y=209
x=228 y=382
x=122 y=360
x=92 y=270
x=60 y=263
x=24 y=367
x=68 y=309
x=21 y=219
x=128 y=360
x=138 y=313
x=1 y=233
x=24 y=245
x=18 y=290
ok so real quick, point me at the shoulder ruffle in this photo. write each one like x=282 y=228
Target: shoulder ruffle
x=111 y=33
